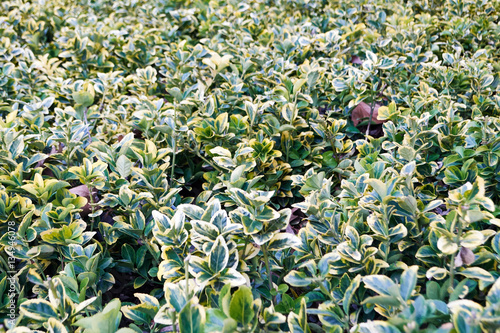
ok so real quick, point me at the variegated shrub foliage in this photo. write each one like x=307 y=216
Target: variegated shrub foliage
x=249 y=166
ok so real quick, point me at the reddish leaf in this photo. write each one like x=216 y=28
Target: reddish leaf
x=465 y=257
x=362 y=112
x=356 y=60
x=83 y=191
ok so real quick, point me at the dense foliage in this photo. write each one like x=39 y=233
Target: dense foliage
x=249 y=166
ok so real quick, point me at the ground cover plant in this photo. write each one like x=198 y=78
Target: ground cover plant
x=249 y=166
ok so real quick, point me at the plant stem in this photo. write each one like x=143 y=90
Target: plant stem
x=205 y=160
x=186 y=273
x=372 y=105
x=173 y=159
x=92 y=208
x=101 y=106
x=174 y=324
x=37 y=264
x=245 y=248
x=372 y=108
x=150 y=249
x=87 y=124
x=323 y=289
x=452 y=263
x=174 y=146
x=268 y=269
x=346 y=323
x=4 y=263
x=452 y=272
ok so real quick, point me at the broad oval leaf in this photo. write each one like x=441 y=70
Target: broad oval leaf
x=241 y=308
x=219 y=255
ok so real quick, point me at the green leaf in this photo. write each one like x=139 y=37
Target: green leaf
x=229 y=325
x=494 y=293
x=83 y=304
x=378 y=186
x=448 y=58
x=106 y=321
x=464 y=315
x=432 y=289
x=325 y=261
x=477 y=273
x=329 y=314
x=55 y=326
x=272 y=317
x=376 y=326
x=298 y=323
x=397 y=233
x=437 y=273
x=175 y=296
x=225 y=299
x=298 y=84
x=139 y=282
x=221 y=123
x=219 y=255
x=8 y=68
x=408 y=282
x=215 y=320
x=353 y=235
x=83 y=98
x=407 y=153
x=176 y=93
x=486 y=81
x=387 y=112
x=148 y=299
x=128 y=253
x=17 y=147
x=433 y=205
x=232 y=277
x=38 y=309
x=339 y=85
x=123 y=166
x=387 y=63
x=297 y=279
x=376 y=225
x=474 y=216
x=383 y=301
x=460 y=290
x=447 y=245
x=240 y=308
x=283 y=241
x=472 y=239
x=349 y=293
x=164 y=315
x=137 y=314
x=251 y=225
x=408 y=169
x=224 y=162
x=192 y=318
x=381 y=284
x=495 y=243
x=126 y=330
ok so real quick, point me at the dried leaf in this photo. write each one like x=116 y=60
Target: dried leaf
x=83 y=191
x=362 y=112
x=464 y=257
x=356 y=60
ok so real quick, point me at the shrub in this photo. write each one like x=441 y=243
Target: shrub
x=249 y=166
